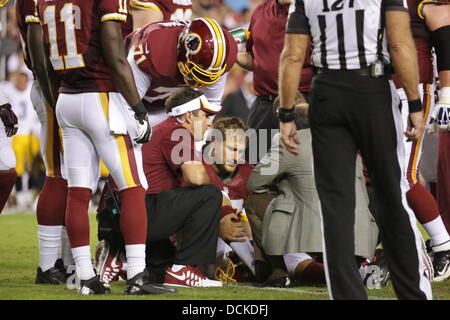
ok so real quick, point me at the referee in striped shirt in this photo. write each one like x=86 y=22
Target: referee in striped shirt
x=354 y=107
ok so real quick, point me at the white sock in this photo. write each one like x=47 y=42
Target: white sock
x=437 y=232
x=66 y=253
x=291 y=260
x=49 y=242
x=245 y=252
x=82 y=258
x=135 y=259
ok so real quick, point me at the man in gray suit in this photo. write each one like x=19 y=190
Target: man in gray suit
x=291 y=222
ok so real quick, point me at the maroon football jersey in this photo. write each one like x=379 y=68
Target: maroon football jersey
x=72 y=32
x=171 y=9
x=127 y=26
x=171 y=145
x=267 y=30
x=422 y=39
x=236 y=188
x=26 y=12
x=156 y=55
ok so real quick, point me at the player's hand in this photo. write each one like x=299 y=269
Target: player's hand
x=231 y=228
x=416 y=126
x=9 y=119
x=441 y=116
x=144 y=128
x=288 y=134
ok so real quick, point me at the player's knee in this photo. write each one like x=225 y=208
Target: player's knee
x=81 y=177
x=211 y=194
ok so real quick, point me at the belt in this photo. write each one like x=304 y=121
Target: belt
x=268 y=97
x=364 y=72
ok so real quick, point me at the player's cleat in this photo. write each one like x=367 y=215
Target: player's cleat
x=93 y=286
x=108 y=262
x=54 y=275
x=427 y=263
x=188 y=276
x=141 y=285
x=441 y=264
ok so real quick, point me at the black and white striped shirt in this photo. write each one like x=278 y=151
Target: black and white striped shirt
x=343 y=32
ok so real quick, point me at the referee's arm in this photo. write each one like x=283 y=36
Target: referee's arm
x=404 y=58
x=291 y=64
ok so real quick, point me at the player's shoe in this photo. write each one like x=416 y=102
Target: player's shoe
x=379 y=260
x=93 y=286
x=190 y=277
x=108 y=262
x=441 y=264
x=54 y=275
x=426 y=260
x=141 y=285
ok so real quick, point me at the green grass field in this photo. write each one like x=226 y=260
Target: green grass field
x=19 y=260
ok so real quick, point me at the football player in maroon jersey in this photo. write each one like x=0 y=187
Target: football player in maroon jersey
x=167 y=55
x=51 y=206
x=436 y=15
x=143 y=12
x=85 y=48
x=419 y=198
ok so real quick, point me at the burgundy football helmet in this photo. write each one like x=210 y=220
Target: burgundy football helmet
x=203 y=48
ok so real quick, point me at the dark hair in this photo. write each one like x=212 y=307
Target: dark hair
x=301 y=110
x=180 y=97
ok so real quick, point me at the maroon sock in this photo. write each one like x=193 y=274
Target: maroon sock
x=7 y=182
x=314 y=273
x=133 y=216
x=77 y=220
x=51 y=206
x=433 y=189
x=422 y=203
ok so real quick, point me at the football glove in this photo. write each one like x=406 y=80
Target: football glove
x=441 y=116
x=144 y=128
x=9 y=119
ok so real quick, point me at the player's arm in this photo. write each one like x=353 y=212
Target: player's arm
x=437 y=19
x=41 y=67
x=291 y=63
x=194 y=173
x=245 y=61
x=404 y=59
x=122 y=75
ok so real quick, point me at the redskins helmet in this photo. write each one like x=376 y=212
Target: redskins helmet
x=204 y=49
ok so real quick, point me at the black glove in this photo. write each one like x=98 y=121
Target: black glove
x=9 y=119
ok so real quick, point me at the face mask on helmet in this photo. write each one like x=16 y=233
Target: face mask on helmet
x=202 y=50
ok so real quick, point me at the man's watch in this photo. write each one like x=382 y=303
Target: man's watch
x=286 y=115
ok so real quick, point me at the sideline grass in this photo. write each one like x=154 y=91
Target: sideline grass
x=19 y=260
